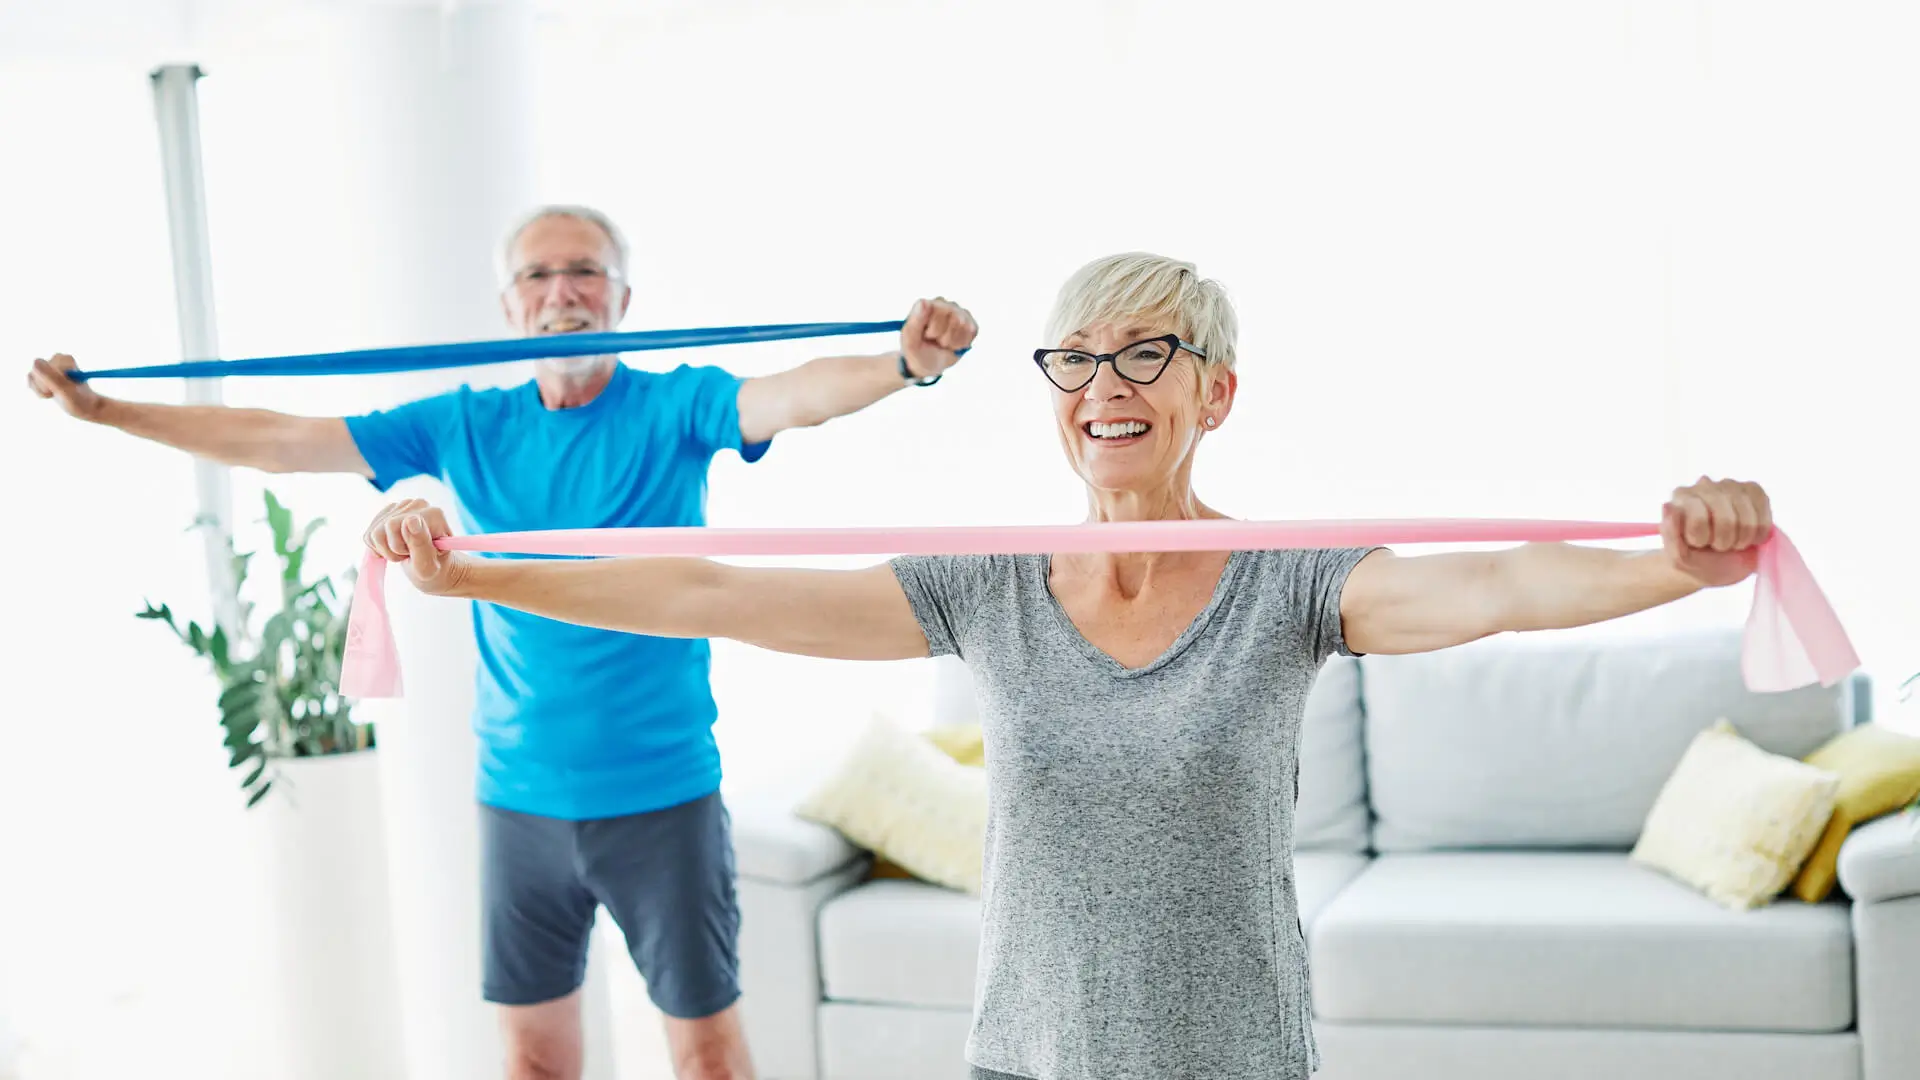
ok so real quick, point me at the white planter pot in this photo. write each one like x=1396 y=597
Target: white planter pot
x=331 y=978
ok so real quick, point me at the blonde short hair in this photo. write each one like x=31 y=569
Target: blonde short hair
x=1138 y=284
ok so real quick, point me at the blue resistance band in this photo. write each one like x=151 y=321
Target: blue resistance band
x=469 y=353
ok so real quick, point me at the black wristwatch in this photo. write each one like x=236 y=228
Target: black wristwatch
x=906 y=373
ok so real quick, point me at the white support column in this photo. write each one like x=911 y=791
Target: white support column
x=177 y=112
x=438 y=105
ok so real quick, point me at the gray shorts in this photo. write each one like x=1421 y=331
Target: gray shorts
x=666 y=876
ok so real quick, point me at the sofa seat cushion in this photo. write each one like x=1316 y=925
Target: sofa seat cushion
x=1319 y=876
x=896 y=942
x=1576 y=939
x=909 y=943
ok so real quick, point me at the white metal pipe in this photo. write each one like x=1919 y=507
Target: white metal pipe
x=177 y=107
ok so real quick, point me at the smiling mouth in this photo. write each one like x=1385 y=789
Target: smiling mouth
x=567 y=325
x=1119 y=431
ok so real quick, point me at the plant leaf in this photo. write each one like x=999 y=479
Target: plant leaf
x=240 y=713
x=279 y=692
x=238 y=739
x=306 y=534
x=217 y=648
x=279 y=627
x=280 y=520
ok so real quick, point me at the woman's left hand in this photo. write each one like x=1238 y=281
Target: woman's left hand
x=1713 y=529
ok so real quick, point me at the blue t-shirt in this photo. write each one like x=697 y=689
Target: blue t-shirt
x=576 y=722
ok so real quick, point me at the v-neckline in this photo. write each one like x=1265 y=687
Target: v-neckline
x=1104 y=660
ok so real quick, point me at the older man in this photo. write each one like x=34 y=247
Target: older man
x=599 y=775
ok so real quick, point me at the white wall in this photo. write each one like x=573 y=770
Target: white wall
x=1501 y=259
x=117 y=838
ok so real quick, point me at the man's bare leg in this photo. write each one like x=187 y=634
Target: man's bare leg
x=709 y=1048
x=544 y=1041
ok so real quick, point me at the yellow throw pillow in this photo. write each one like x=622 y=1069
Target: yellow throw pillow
x=963 y=743
x=1879 y=773
x=1735 y=821
x=902 y=798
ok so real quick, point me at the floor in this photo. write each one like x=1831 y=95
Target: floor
x=103 y=1032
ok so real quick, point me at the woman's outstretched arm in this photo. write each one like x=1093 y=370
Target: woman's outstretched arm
x=840 y=614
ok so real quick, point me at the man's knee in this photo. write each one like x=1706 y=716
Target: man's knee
x=541 y=1059
x=711 y=1063
x=710 y=1048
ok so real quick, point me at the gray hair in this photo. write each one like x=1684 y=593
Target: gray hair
x=1140 y=284
x=579 y=213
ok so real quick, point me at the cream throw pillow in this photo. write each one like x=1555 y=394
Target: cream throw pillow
x=1734 y=821
x=904 y=799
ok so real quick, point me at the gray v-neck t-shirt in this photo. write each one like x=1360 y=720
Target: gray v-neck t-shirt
x=1139 y=917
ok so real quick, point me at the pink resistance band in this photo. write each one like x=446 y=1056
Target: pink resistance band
x=1793 y=638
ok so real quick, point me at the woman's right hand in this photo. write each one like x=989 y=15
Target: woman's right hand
x=404 y=533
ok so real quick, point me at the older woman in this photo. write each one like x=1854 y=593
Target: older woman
x=1141 y=711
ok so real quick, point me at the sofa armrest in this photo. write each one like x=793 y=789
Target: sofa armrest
x=1881 y=860
x=1880 y=869
x=773 y=844
x=788 y=868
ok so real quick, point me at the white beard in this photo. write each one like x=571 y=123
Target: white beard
x=576 y=367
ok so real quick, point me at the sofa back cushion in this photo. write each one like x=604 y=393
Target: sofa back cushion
x=1332 y=812
x=1558 y=741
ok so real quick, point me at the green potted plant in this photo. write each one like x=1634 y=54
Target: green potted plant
x=331 y=988
x=280 y=687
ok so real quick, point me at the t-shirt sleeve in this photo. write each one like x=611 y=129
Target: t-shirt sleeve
x=709 y=402
x=945 y=592
x=405 y=441
x=1320 y=578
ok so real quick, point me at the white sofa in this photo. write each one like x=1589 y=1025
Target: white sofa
x=1464 y=823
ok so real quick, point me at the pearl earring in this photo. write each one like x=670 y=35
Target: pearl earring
x=1209 y=421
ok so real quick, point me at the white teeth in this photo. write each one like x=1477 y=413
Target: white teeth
x=1121 y=430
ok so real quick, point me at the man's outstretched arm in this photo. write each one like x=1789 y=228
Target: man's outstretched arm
x=833 y=386
x=253 y=438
